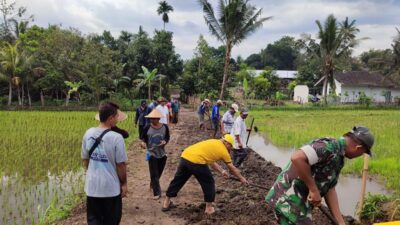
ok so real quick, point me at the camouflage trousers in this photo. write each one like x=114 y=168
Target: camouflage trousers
x=292 y=219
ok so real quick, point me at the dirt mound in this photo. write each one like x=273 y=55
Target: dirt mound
x=237 y=204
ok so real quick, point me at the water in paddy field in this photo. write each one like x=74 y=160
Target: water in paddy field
x=348 y=188
x=24 y=202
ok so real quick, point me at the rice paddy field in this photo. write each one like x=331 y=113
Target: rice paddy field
x=41 y=162
x=295 y=127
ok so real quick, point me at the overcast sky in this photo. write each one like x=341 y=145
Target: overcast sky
x=376 y=19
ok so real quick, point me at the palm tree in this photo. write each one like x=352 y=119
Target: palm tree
x=236 y=21
x=10 y=61
x=164 y=8
x=147 y=79
x=336 y=40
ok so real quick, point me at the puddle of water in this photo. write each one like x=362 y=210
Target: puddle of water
x=348 y=187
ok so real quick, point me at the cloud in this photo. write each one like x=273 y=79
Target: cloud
x=375 y=19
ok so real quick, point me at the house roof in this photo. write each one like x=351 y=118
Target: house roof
x=283 y=74
x=365 y=79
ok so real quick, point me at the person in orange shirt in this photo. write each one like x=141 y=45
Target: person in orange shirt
x=195 y=160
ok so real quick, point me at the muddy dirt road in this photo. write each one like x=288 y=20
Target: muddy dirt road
x=236 y=204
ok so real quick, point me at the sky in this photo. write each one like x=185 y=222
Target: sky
x=376 y=19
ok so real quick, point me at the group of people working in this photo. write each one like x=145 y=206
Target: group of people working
x=312 y=172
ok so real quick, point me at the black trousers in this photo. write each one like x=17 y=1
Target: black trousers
x=156 y=168
x=104 y=211
x=141 y=127
x=239 y=155
x=202 y=174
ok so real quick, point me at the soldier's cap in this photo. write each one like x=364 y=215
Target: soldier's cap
x=364 y=135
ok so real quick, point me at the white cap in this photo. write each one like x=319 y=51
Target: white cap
x=235 y=107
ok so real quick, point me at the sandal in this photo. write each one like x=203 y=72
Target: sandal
x=170 y=206
x=156 y=197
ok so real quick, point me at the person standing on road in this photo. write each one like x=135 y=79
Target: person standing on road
x=106 y=182
x=155 y=136
x=216 y=117
x=313 y=173
x=195 y=160
x=163 y=110
x=239 y=131
x=175 y=108
x=202 y=111
x=141 y=112
x=229 y=118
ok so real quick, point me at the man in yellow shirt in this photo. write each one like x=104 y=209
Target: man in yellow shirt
x=195 y=160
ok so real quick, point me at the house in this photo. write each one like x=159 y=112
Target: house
x=350 y=85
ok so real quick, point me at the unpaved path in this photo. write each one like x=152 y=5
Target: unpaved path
x=236 y=204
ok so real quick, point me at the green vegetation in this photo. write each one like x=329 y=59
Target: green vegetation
x=293 y=127
x=41 y=162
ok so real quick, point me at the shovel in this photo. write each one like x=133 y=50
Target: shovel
x=250 y=184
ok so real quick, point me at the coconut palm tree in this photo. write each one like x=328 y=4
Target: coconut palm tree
x=11 y=62
x=237 y=19
x=336 y=40
x=164 y=8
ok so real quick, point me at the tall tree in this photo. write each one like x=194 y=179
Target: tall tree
x=335 y=41
x=11 y=61
x=164 y=8
x=237 y=19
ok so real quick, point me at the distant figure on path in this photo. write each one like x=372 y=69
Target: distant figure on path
x=140 y=119
x=313 y=173
x=203 y=110
x=216 y=117
x=229 y=118
x=239 y=132
x=163 y=110
x=104 y=157
x=175 y=108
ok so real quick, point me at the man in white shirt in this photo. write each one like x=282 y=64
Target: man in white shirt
x=228 y=119
x=163 y=109
x=239 y=132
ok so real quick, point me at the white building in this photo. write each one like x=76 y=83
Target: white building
x=349 y=86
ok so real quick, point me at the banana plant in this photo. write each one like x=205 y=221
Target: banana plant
x=146 y=80
x=73 y=87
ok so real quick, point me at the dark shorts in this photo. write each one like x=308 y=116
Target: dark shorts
x=102 y=211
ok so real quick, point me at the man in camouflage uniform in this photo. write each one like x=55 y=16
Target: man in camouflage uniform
x=313 y=173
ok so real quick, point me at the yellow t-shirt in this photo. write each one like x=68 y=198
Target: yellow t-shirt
x=207 y=152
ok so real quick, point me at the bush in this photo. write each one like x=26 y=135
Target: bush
x=364 y=99
x=3 y=100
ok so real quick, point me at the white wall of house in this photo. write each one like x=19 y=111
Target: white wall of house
x=376 y=93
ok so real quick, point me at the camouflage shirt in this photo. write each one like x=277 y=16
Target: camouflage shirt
x=288 y=195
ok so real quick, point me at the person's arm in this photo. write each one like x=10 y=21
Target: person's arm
x=144 y=137
x=332 y=201
x=85 y=163
x=167 y=136
x=303 y=169
x=236 y=173
x=121 y=171
x=219 y=169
